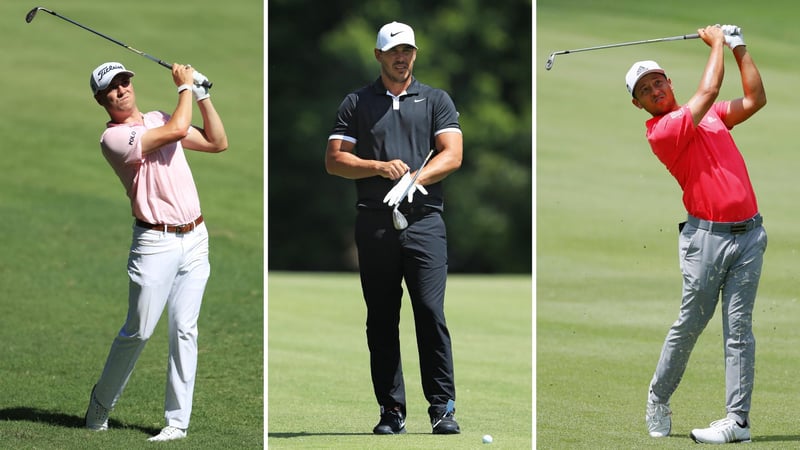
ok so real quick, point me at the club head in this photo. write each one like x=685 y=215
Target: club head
x=32 y=13
x=399 y=220
x=549 y=64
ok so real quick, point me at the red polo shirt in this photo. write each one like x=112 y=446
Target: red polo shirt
x=706 y=163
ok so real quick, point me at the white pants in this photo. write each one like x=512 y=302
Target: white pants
x=165 y=270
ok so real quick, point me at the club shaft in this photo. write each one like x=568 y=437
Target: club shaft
x=107 y=37
x=414 y=179
x=623 y=44
x=416 y=175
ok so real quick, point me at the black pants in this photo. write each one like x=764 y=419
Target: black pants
x=417 y=254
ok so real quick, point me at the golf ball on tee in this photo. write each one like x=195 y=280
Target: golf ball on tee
x=487 y=439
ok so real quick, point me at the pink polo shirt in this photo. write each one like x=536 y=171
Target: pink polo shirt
x=160 y=184
x=706 y=163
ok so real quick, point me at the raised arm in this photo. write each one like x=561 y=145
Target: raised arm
x=711 y=81
x=755 y=97
x=177 y=127
x=211 y=137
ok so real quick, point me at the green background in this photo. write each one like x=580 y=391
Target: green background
x=477 y=51
x=65 y=222
x=607 y=278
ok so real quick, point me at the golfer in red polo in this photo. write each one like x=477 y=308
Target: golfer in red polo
x=722 y=243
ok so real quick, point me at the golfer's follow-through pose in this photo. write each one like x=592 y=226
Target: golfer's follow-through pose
x=382 y=135
x=168 y=263
x=721 y=245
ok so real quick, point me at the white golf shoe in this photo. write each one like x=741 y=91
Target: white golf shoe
x=722 y=431
x=658 y=419
x=96 y=415
x=168 y=433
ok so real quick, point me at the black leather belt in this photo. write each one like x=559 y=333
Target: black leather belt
x=727 y=227
x=179 y=229
x=417 y=210
x=405 y=209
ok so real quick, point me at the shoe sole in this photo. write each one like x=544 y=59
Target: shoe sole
x=153 y=439
x=402 y=431
x=745 y=441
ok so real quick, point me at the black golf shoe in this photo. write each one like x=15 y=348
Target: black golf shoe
x=392 y=422
x=445 y=423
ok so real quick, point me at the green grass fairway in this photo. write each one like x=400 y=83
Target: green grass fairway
x=320 y=394
x=608 y=283
x=66 y=223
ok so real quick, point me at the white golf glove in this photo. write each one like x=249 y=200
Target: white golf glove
x=733 y=40
x=414 y=188
x=199 y=78
x=200 y=92
x=396 y=194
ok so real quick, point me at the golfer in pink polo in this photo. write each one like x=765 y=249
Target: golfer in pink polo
x=168 y=263
x=722 y=243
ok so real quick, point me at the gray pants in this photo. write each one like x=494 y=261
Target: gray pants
x=715 y=263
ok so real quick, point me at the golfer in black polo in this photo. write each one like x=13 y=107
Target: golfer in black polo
x=383 y=133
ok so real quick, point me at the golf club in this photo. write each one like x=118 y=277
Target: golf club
x=398 y=219
x=551 y=59
x=449 y=410
x=32 y=14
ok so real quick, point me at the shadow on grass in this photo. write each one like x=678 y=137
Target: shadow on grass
x=304 y=434
x=779 y=438
x=758 y=438
x=27 y=414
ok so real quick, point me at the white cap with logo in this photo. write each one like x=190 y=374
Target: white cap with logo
x=104 y=73
x=394 y=34
x=638 y=70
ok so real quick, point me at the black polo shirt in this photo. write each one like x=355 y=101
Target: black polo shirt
x=384 y=127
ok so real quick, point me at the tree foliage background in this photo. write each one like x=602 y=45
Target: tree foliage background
x=478 y=51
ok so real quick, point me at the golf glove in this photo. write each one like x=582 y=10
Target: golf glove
x=200 y=92
x=396 y=194
x=733 y=40
x=414 y=188
x=199 y=78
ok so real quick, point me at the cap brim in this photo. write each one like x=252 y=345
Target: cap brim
x=644 y=74
x=126 y=72
x=106 y=85
x=392 y=45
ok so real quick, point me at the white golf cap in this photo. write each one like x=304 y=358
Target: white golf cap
x=104 y=73
x=638 y=70
x=394 y=34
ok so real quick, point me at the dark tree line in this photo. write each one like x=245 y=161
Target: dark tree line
x=478 y=51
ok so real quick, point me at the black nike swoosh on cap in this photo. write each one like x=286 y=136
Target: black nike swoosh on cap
x=395 y=34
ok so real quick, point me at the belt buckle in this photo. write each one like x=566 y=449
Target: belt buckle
x=184 y=228
x=739 y=228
